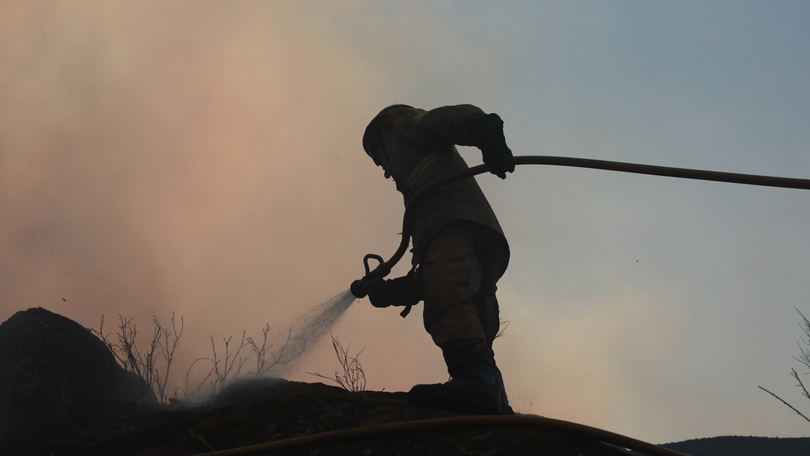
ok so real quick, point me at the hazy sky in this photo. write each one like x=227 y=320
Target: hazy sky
x=204 y=158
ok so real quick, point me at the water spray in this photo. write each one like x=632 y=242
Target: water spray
x=359 y=287
x=309 y=329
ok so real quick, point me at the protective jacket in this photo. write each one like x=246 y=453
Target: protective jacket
x=423 y=150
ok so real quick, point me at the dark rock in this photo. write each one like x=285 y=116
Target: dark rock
x=54 y=372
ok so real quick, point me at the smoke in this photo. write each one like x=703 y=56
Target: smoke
x=184 y=158
x=204 y=158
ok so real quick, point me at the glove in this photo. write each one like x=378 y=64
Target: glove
x=491 y=141
x=378 y=293
x=403 y=291
x=498 y=158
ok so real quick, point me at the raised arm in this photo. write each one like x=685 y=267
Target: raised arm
x=467 y=125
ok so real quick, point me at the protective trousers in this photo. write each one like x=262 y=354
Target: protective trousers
x=461 y=266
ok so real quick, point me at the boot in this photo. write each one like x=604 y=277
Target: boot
x=506 y=409
x=473 y=391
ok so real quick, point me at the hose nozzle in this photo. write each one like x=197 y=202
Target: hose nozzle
x=359 y=286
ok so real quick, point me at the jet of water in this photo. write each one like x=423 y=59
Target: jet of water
x=309 y=329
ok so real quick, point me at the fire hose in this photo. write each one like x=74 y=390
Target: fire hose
x=448 y=423
x=358 y=287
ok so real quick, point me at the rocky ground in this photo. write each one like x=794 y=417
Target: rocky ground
x=249 y=413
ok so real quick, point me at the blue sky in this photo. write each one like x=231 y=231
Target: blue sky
x=205 y=159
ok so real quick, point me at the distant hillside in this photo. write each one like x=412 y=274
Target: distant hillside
x=742 y=446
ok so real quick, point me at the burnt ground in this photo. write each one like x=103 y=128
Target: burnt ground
x=269 y=410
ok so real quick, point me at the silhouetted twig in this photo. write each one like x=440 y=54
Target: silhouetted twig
x=804 y=353
x=783 y=401
x=167 y=342
x=127 y=353
x=221 y=376
x=804 y=358
x=353 y=378
x=188 y=393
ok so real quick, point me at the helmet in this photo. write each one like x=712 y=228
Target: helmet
x=372 y=138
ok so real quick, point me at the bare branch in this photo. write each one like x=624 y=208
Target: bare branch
x=226 y=373
x=800 y=385
x=353 y=378
x=261 y=352
x=149 y=363
x=781 y=400
x=188 y=393
x=804 y=352
x=167 y=341
x=278 y=359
